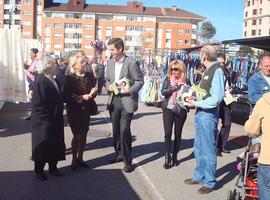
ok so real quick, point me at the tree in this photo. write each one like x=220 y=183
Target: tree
x=245 y=51
x=207 y=31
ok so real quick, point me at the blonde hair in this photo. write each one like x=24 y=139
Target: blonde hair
x=74 y=60
x=182 y=72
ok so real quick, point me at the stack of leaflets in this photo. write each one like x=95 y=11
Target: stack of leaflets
x=120 y=86
x=193 y=91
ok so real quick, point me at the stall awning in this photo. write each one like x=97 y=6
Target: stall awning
x=258 y=42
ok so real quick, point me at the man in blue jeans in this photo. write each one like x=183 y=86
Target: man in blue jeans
x=206 y=120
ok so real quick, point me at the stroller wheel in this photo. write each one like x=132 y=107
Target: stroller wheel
x=230 y=195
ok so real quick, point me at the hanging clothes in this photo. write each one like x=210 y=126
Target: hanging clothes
x=12 y=78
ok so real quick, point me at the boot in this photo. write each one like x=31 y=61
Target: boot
x=168 y=161
x=174 y=159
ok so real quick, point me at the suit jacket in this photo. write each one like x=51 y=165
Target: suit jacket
x=131 y=71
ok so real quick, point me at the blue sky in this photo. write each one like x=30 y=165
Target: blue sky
x=225 y=15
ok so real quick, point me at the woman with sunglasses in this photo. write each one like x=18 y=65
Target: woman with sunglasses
x=175 y=79
x=79 y=91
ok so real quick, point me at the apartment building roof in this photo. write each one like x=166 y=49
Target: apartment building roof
x=134 y=7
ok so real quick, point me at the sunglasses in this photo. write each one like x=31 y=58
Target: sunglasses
x=174 y=69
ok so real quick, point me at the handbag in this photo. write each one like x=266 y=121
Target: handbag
x=93 y=107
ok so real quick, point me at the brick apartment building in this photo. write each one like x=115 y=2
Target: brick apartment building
x=256 y=21
x=71 y=26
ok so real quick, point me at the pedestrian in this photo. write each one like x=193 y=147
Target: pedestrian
x=224 y=111
x=123 y=105
x=100 y=74
x=259 y=83
x=79 y=94
x=31 y=73
x=206 y=120
x=258 y=125
x=173 y=82
x=47 y=120
x=61 y=70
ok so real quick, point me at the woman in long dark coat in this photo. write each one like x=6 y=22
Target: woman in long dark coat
x=47 y=120
x=79 y=94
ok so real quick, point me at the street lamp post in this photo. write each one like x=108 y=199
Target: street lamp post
x=14 y=9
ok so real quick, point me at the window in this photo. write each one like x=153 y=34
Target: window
x=149 y=40
x=73 y=25
x=47 y=35
x=187 y=41
x=245 y=34
x=134 y=28
x=254 y=11
x=99 y=28
x=108 y=38
x=48 y=15
x=47 y=25
x=246 y=14
x=259 y=32
x=246 y=24
x=180 y=31
x=26 y=33
x=149 y=30
x=69 y=15
x=88 y=26
x=252 y=2
x=137 y=48
x=6 y=2
x=17 y=21
x=187 y=31
x=6 y=12
x=108 y=28
x=57 y=25
x=253 y=32
x=180 y=41
x=260 y=1
x=254 y=22
x=248 y=3
x=26 y=12
x=57 y=35
x=128 y=38
x=260 y=21
x=88 y=37
x=77 y=16
x=26 y=2
x=260 y=11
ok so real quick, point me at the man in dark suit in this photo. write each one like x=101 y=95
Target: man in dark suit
x=123 y=105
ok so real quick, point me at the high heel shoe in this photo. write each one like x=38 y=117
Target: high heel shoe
x=168 y=160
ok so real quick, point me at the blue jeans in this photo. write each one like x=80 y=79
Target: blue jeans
x=205 y=146
x=263 y=177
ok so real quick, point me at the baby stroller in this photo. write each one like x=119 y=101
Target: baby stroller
x=246 y=184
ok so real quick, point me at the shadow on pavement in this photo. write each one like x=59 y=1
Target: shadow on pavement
x=79 y=185
x=12 y=119
x=230 y=172
x=139 y=115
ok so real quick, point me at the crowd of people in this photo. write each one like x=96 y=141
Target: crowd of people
x=77 y=81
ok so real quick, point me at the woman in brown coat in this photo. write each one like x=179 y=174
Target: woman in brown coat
x=79 y=94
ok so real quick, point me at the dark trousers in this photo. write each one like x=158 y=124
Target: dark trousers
x=39 y=166
x=121 y=121
x=169 y=118
x=100 y=81
x=225 y=116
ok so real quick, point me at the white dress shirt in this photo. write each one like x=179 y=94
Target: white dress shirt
x=118 y=68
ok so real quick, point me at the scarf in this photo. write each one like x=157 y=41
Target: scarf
x=174 y=82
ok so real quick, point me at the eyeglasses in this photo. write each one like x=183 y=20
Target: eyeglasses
x=174 y=69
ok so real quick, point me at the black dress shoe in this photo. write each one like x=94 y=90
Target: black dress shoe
x=205 y=190
x=41 y=176
x=128 y=168
x=55 y=172
x=116 y=160
x=27 y=118
x=219 y=153
x=190 y=181
x=82 y=164
x=226 y=151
